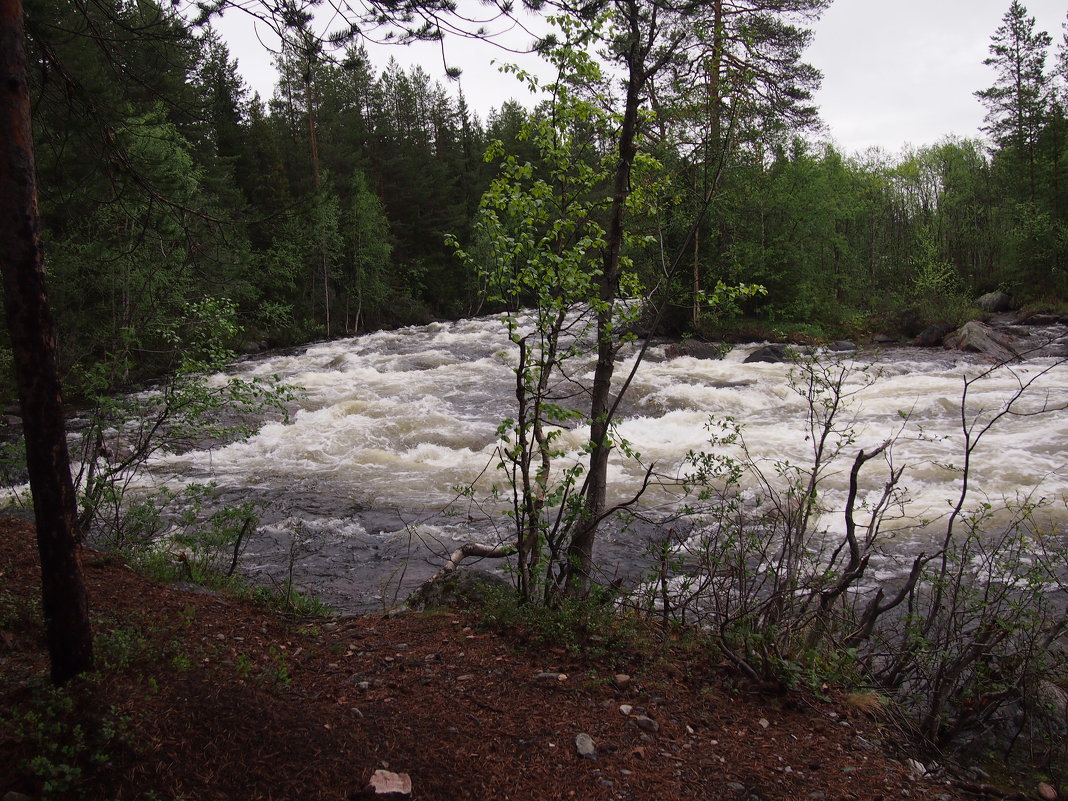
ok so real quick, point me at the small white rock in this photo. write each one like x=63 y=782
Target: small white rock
x=385 y=784
x=915 y=767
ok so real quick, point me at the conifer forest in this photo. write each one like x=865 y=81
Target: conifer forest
x=171 y=196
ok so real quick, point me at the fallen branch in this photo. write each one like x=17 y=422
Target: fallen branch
x=477 y=549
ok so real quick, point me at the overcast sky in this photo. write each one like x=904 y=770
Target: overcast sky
x=895 y=73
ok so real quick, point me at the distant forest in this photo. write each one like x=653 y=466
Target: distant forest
x=169 y=193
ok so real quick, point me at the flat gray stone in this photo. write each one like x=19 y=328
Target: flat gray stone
x=585 y=746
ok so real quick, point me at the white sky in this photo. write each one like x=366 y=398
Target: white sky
x=904 y=72
x=895 y=73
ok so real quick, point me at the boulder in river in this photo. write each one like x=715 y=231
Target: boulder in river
x=697 y=349
x=1041 y=319
x=977 y=337
x=775 y=352
x=841 y=346
x=932 y=336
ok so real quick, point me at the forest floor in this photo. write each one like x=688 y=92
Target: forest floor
x=199 y=696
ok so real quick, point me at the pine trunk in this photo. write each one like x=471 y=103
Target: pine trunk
x=29 y=320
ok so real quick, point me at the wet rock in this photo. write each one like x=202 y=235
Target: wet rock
x=994 y=302
x=251 y=348
x=774 y=353
x=460 y=587
x=1043 y=319
x=388 y=786
x=932 y=336
x=841 y=346
x=698 y=349
x=977 y=337
x=585 y=747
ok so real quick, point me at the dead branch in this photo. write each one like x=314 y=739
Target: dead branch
x=477 y=549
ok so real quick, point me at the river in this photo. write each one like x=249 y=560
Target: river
x=355 y=488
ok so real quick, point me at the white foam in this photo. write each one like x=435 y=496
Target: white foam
x=410 y=414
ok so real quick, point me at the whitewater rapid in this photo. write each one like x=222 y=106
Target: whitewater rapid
x=390 y=426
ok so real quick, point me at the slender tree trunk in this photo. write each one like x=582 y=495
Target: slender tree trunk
x=714 y=138
x=313 y=136
x=29 y=319
x=580 y=548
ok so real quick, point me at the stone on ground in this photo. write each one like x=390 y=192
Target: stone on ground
x=386 y=785
x=585 y=746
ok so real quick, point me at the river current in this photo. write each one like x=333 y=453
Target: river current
x=358 y=489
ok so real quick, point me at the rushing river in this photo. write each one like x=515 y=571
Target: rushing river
x=354 y=487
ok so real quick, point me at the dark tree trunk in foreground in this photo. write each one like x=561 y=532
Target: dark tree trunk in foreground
x=29 y=320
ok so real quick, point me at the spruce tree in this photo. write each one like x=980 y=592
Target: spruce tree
x=1018 y=102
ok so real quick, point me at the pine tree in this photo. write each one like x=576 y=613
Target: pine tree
x=1018 y=102
x=29 y=320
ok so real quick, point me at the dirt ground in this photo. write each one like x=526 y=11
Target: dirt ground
x=204 y=697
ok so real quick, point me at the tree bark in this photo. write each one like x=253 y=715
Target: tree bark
x=580 y=548
x=29 y=319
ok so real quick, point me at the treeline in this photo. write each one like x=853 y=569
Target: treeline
x=858 y=242
x=164 y=182
x=324 y=211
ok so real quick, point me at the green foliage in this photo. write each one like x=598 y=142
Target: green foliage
x=961 y=636
x=937 y=293
x=123 y=432
x=365 y=232
x=541 y=244
x=67 y=745
x=163 y=187
x=279 y=672
x=590 y=627
x=288 y=600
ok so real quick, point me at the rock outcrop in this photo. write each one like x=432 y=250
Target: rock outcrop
x=932 y=336
x=976 y=337
x=775 y=352
x=995 y=302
